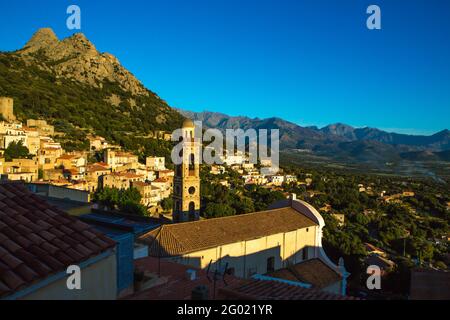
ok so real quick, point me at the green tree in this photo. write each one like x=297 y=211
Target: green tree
x=216 y=210
x=16 y=150
x=167 y=204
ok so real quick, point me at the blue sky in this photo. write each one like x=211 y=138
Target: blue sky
x=312 y=62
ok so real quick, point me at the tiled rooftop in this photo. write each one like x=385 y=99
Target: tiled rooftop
x=38 y=240
x=313 y=271
x=182 y=238
x=274 y=290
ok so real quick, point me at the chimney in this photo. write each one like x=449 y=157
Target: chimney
x=292 y=198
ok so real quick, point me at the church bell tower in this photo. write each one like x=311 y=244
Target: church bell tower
x=186 y=183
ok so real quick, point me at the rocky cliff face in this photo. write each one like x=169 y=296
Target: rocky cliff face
x=77 y=58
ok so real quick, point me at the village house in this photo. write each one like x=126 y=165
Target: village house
x=216 y=170
x=290 y=179
x=97 y=143
x=256 y=179
x=95 y=171
x=116 y=159
x=120 y=180
x=13 y=135
x=6 y=126
x=340 y=218
x=83 y=185
x=72 y=162
x=169 y=174
x=231 y=160
x=155 y=163
x=49 y=151
x=248 y=167
x=42 y=126
x=19 y=170
x=151 y=195
x=93 y=174
x=33 y=140
x=73 y=175
x=276 y=180
x=165 y=186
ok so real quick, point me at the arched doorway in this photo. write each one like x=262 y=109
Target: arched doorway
x=191 y=211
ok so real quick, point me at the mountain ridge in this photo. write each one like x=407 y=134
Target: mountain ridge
x=338 y=140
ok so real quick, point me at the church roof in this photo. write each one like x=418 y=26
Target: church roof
x=182 y=238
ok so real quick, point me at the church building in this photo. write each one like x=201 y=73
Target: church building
x=287 y=238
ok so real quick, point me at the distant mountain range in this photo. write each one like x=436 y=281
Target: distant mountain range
x=339 y=141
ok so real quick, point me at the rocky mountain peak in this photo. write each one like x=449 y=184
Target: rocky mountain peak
x=77 y=58
x=43 y=38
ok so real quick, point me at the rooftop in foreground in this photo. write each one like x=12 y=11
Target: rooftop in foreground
x=38 y=240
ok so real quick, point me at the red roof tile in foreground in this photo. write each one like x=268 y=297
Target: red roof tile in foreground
x=274 y=290
x=38 y=240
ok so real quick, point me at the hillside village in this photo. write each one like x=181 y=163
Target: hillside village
x=47 y=163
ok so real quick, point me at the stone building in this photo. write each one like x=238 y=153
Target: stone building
x=41 y=126
x=119 y=180
x=186 y=183
x=118 y=158
x=155 y=163
x=7 y=109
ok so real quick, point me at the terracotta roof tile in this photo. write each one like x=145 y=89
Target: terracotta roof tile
x=74 y=254
x=10 y=245
x=11 y=279
x=274 y=290
x=11 y=261
x=64 y=258
x=37 y=240
x=26 y=273
x=313 y=271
